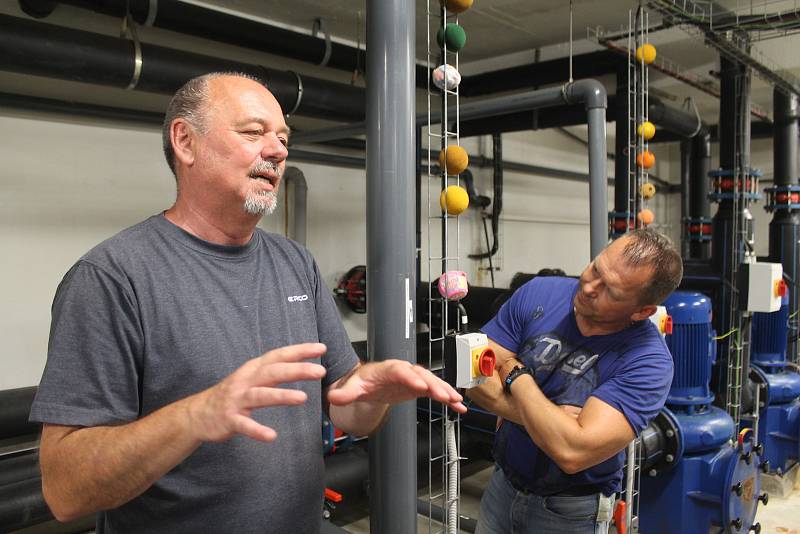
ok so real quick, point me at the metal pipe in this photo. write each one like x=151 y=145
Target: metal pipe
x=598 y=192
x=41 y=49
x=295 y=180
x=390 y=252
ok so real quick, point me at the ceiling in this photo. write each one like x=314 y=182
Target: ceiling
x=500 y=33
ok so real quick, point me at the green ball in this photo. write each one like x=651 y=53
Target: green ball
x=454 y=35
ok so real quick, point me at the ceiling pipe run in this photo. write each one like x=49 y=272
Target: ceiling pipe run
x=225 y=27
x=41 y=49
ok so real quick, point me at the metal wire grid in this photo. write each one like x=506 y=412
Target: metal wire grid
x=699 y=20
x=638 y=104
x=439 y=262
x=738 y=341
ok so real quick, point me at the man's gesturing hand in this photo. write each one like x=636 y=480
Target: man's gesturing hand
x=223 y=410
x=393 y=381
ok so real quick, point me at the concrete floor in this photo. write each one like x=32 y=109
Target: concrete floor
x=780 y=516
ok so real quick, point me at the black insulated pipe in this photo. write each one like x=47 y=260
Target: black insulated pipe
x=15 y=407
x=497 y=196
x=31 y=47
x=686 y=166
x=784 y=229
x=699 y=205
x=216 y=25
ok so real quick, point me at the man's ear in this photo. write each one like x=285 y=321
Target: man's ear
x=644 y=312
x=182 y=136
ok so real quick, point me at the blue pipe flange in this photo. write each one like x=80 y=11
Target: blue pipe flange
x=782 y=197
x=743 y=485
x=722 y=181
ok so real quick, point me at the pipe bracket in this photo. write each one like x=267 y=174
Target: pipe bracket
x=299 y=93
x=129 y=25
x=321 y=25
x=152 y=11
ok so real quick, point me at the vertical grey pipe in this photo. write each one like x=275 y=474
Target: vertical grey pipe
x=295 y=179
x=593 y=95
x=390 y=252
x=598 y=181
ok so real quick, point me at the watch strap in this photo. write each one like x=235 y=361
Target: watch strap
x=515 y=373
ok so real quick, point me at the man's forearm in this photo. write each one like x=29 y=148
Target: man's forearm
x=490 y=396
x=91 y=469
x=556 y=432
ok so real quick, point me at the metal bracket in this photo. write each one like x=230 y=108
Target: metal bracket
x=299 y=93
x=129 y=25
x=321 y=25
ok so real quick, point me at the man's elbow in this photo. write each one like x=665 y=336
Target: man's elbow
x=62 y=509
x=572 y=462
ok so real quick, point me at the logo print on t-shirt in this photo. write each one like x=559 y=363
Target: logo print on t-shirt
x=297 y=298
x=565 y=373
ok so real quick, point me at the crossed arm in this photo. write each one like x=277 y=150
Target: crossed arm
x=574 y=440
x=88 y=469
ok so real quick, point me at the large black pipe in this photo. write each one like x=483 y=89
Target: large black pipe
x=784 y=229
x=15 y=406
x=19 y=466
x=686 y=165
x=728 y=247
x=699 y=205
x=217 y=25
x=22 y=505
x=41 y=49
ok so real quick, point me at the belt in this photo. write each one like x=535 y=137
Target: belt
x=574 y=491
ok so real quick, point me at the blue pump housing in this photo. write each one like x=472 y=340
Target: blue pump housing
x=779 y=418
x=704 y=479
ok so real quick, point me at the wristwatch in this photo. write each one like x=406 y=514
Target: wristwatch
x=516 y=372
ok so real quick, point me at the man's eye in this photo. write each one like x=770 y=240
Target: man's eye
x=284 y=142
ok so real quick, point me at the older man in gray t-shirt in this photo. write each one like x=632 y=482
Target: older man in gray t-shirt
x=191 y=355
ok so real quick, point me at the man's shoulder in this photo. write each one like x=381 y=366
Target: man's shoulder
x=646 y=345
x=123 y=247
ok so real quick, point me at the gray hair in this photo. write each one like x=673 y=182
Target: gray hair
x=649 y=248
x=189 y=103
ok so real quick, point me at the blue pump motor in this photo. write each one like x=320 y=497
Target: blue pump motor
x=779 y=417
x=696 y=477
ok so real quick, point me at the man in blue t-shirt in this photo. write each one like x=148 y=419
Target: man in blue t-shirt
x=580 y=372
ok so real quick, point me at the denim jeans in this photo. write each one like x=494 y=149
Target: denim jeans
x=505 y=510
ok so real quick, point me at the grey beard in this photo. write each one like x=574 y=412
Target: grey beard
x=261 y=203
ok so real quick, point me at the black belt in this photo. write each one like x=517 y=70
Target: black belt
x=574 y=491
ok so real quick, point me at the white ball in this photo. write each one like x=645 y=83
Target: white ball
x=446 y=76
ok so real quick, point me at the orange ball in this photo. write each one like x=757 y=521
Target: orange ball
x=455 y=157
x=645 y=159
x=646 y=217
x=456 y=6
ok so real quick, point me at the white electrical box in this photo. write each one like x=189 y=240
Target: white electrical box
x=761 y=287
x=662 y=320
x=474 y=360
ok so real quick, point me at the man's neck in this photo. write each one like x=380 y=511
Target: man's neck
x=221 y=229
x=590 y=328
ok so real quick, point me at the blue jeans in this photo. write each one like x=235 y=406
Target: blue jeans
x=505 y=510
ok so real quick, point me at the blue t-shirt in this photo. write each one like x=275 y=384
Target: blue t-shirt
x=630 y=370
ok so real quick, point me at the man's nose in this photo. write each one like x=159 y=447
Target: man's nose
x=274 y=149
x=590 y=288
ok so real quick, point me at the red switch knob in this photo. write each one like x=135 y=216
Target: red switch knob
x=668 y=325
x=780 y=288
x=486 y=362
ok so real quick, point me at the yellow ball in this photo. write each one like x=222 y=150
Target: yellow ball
x=647 y=130
x=454 y=200
x=647 y=190
x=457 y=159
x=456 y=6
x=646 y=53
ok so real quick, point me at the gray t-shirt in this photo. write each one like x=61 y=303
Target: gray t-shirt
x=155 y=314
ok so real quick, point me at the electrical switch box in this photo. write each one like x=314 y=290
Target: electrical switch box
x=761 y=287
x=468 y=360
